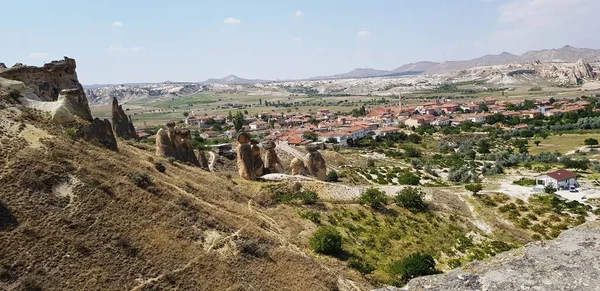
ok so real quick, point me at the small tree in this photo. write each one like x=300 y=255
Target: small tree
x=410 y=198
x=474 y=187
x=373 y=197
x=590 y=141
x=332 y=176
x=185 y=114
x=537 y=143
x=415 y=265
x=326 y=240
x=310 y=135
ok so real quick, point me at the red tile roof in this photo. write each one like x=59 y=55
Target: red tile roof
x=561 y=175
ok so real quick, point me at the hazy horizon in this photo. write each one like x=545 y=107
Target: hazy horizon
x=137 y=42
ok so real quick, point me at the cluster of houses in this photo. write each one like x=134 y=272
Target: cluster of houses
x=292 y=127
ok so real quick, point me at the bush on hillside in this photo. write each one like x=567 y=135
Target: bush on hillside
x=411 y=198
x=373 y=197
x=415 y=265
x=326 y=240
x=332 y=176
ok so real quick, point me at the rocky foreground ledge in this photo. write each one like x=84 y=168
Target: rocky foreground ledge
x=570 y=262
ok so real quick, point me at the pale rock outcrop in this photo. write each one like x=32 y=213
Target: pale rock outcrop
x=314 y=162
x=245 y=157
x=583 y=70
x=48 y=81
x=297 y=167
x=122 y=124
x=175 y=143
x=272 y=162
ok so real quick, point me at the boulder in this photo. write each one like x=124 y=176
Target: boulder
x=272 y=162
x=297 y=167
x=122 y=124
x=315 y=164
x=99 y=132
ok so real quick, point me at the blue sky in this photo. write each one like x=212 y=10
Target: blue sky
x=152 y=41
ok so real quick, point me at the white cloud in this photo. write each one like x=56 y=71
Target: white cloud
x=298 y=39
x=117 y=24
x=37 y=55
x=298 y=13
x=531 y=17
x=119 y=49
x=363 y=33
x=231 y=20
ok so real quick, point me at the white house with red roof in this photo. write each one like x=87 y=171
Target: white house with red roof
x=561 y=179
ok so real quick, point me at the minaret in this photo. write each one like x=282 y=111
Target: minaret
x=400 y=104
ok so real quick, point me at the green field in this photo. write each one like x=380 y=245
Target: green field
x=562 y=143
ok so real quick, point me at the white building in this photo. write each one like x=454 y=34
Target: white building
x=561 y=179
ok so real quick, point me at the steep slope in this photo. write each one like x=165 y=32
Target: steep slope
x=79 y=217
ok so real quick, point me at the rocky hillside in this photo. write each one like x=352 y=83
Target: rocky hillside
x=124 y=93
x=570 y=262
x=566 y=54
x=78 y=214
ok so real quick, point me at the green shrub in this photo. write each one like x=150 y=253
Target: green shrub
x=525 y=182
x=332 y=176
x=326 y=240
x=415 y=265
x=411 y=198
x=373 y=197
x=408 y=178
x=305 y=197
x=475 y=188
x=590 y=141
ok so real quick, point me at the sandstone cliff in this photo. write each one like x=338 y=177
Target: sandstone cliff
x=48 y=81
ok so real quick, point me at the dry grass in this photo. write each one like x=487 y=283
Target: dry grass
x=184 y=229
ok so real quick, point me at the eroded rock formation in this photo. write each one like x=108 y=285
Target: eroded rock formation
x=272 y=162
x=121 y=122
x=99 y=132
x=249 y=162
x=583 y=70
x=245 y=157
x=175 y=143
x=48 y=81
x=203 y=160
x=54 y=88
x=314 y=162
x=297 y=167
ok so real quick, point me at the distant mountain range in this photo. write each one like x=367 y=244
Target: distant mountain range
x=233 y=80
x=566 y=54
